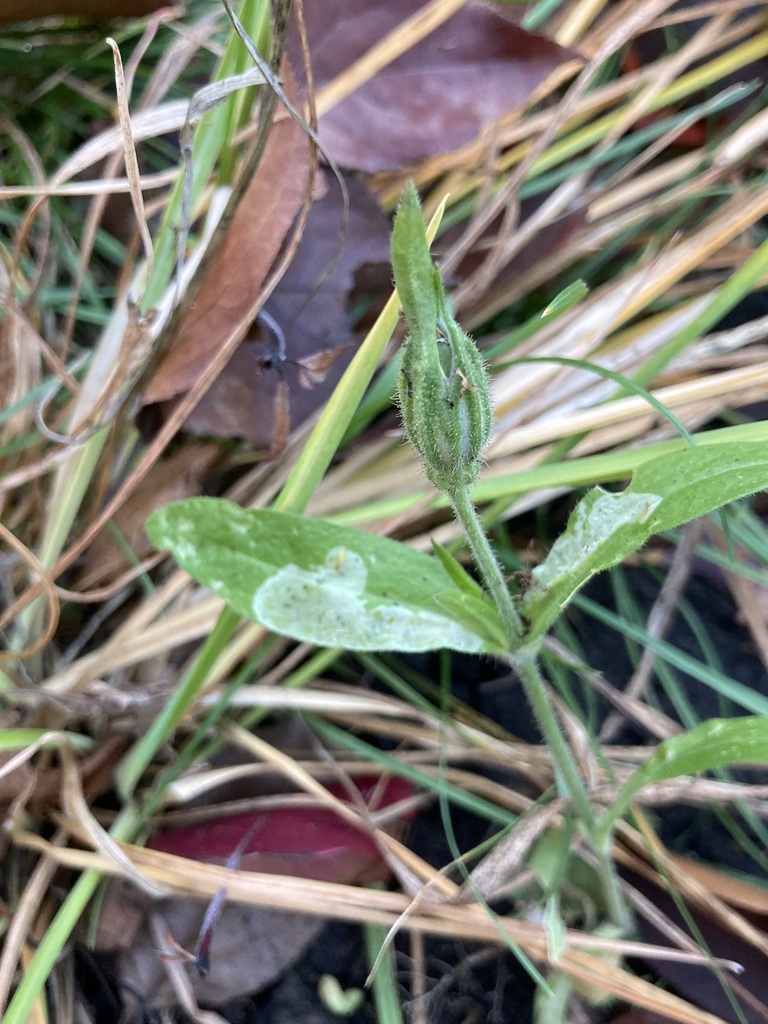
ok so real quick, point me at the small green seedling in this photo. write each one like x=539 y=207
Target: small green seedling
x=333 y=586
x=341 y=1001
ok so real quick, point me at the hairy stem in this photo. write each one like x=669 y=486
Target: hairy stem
x=524 y=660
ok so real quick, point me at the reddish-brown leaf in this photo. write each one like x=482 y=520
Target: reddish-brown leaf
x=249 y=398
x=307 y=842
x=474 y=68
x=26 y=10
x=250 y=946
x=243 y=262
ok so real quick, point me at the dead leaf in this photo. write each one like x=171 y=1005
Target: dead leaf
x=474 y=68
x=244 y=260
x=319 y=342
x=93 y=10
x=305 y=842
x=123 y=909
x=314 y=368
x=252 y=947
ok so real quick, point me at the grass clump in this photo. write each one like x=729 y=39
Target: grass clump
x=600 y=354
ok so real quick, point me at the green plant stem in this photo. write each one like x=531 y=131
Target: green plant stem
x=524 y=660
x=485 y=560
x=616 y=905
x=523 y=657
x=569 y=780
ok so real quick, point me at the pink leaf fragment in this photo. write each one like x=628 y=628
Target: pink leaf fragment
x=307 y=842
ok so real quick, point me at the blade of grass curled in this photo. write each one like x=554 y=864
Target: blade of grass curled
x=627 y=384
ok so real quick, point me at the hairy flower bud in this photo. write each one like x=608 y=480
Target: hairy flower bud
x=445 y=404
x=443 y=389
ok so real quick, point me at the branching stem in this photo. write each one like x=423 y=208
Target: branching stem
x=524 y=660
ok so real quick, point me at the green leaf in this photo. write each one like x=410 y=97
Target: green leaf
x=566 y=299
x=412 y=266
x=605 y=527
x=714 y=744
x=21 y=739
x=458 y=573
x=467 y=601
x=479 y=616
x=551 y=854
x=321 y=583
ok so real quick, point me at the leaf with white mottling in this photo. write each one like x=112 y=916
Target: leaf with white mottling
x=665 y=492
x=324 y=584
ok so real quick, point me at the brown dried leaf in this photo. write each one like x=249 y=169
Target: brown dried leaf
x=314 y=368
x=27 y=10
x=476 y=67
x=248 y=399
x=123 y=909
x=244 y=260
x=252 y=947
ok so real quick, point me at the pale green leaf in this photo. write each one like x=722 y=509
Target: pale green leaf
x=714 y=744
x=605 y=527
x=321 y=583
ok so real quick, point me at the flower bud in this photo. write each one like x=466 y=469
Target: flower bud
x=443 y=388
x=445 y=400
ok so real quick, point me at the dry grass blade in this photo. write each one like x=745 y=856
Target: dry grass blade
x=52 y=600
x=131 y=161
x=78 y=810
x=26 y=911
x=350 y=903
x=670 y=872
